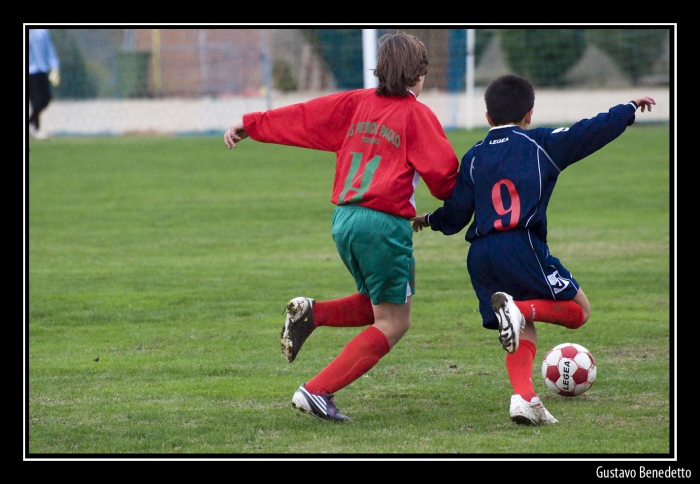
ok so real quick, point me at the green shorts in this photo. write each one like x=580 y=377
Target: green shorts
x=377 y=249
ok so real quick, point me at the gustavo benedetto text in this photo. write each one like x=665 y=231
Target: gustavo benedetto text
x=642 y=473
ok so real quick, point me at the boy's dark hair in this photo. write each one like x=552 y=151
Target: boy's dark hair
x=401 y=60
x=508 y=98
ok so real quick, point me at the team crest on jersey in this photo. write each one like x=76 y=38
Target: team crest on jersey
x=557 y=282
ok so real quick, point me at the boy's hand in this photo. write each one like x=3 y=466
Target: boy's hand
x=419 y=222
x=235 y=134
x=644 y=103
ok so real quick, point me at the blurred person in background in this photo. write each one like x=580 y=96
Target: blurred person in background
x=43 y=73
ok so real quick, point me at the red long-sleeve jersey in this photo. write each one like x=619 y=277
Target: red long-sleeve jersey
x=383 y=146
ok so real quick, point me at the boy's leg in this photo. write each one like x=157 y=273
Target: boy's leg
x=493 y=263
x=525 y=406
x=315 y=397
x=359 y=356
x=39 y=94
x=365 y=350
x=521 y=345
x=345 y=312
x=519 y=367
x=562 y=313
x=377 y=249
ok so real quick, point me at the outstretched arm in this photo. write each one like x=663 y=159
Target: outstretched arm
x=235 y=134
x=644 y=102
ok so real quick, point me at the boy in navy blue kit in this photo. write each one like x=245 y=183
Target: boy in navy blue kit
x=505 y=182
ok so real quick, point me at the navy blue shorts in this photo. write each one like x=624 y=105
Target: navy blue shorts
x=520 y=265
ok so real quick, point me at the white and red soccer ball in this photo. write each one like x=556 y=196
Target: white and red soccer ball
x=569 y=369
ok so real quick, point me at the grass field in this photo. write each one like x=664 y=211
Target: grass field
x=158 y=270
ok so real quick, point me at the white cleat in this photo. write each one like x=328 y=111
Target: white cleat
x=529 y=413
x=320 y=406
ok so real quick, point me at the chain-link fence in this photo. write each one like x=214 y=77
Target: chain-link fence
x=117 y=81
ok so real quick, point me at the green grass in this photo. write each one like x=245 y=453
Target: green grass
x=158 y=269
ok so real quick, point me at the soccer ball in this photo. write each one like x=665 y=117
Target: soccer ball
x=569 y=369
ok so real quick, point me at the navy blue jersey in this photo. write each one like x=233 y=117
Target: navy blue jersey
x=506 y=180
x=505 y=183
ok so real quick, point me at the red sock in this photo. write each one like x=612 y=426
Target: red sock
x=519 y=366
x=350 y=311
x=562 y=313
x=356 y=359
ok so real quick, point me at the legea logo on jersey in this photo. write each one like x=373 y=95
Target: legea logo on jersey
x=557 y=282
x=496 y=141
x=560 y=130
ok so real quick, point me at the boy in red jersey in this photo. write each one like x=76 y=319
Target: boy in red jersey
x=385 y=141
x=505 y=182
